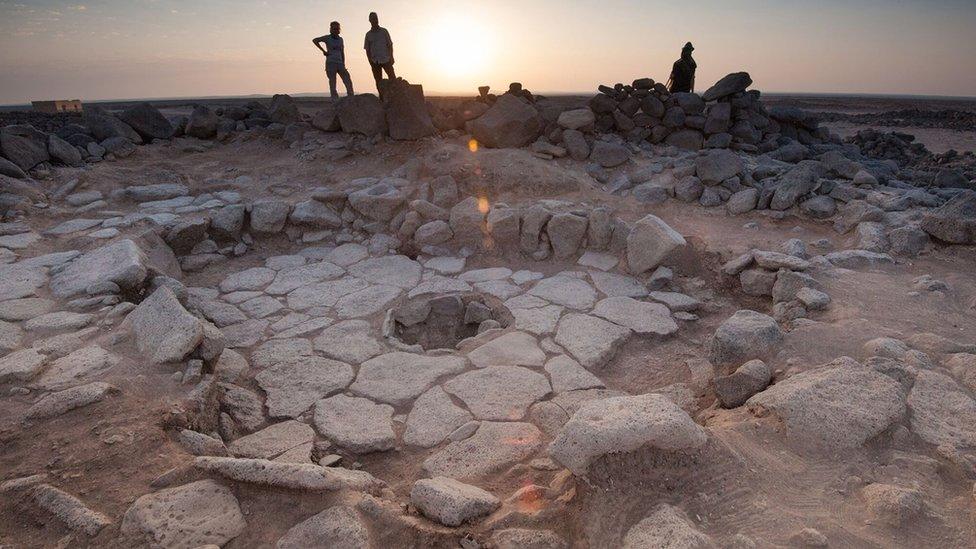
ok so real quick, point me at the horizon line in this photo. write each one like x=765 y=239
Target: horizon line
x=325 y=95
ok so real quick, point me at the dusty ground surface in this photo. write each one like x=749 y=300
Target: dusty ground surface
x=751 y=481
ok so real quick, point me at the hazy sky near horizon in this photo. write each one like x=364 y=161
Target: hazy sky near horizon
x=116 y=49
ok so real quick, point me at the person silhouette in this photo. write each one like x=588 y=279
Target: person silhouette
x=379 y=52
x=335 y=59
x=683 y=72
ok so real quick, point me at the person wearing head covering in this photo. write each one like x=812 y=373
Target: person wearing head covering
x=335 y=59
x=683 y=72
x=379 y=51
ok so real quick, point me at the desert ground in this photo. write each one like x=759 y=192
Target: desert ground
x=634 y=319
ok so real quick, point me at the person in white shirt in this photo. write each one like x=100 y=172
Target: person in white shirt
x=379 y=51
x=335 y=59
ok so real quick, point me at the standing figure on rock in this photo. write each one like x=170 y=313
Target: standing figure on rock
x=683 y=73
x=379 y=52
x=335 y=59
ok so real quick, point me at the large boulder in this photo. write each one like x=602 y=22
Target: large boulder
x=649 y=243
x=63 y=152
x=147 y=121
x=121 y=262
x=746 y=335
x=575 y=119
x=718 y=165
x=284 y=110
x=202 y=123
x=378 y=202
x=793 y=185
x=835 y=407
x=10 y=169
x=327 y=119
x=954 y=221
x=687 y=139
x=164 y=330
x=406 y=111
x=23 y=145
x=624 y=424
x=362 y=114
x=510 y=122
x=609 y=155
x=192 y=515
x=732 y=84
x=104 y=125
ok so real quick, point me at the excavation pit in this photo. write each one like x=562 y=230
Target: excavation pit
x=443 y=321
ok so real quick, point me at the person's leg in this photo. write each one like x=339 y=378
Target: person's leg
x=390 y=73
x=330 y=71
x=346 y=81
x=377 y=74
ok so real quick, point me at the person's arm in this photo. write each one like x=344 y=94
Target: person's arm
x=318 y=44
x=390 y=42
x=369 y=56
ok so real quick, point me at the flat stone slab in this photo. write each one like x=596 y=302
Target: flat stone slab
x=566 y=374
x=356 y=423
x=288 y=475
x=295 y=277
x=398 y=378
x=73 y=226
x=77 y=368
x=18 y=282
x=21 y=365
x=255 y=278
x=324 y=294
x=640 y=316
x=347 y=254
x=391 y=270
x=566 y=291
x=538 y=321
x=61 y=402
x=439 y=285
x=675 y=301
x=15 y=310
x=502 y=393
x=58 y=321
x=272 y=441
x=494 y=447
x=484 y=275
x=192 y=515
x=348 y=341
x=366 y=302
x=511 y=349
x=590 y=339
x=434 y=416
x=295 y=384
x=598 y=260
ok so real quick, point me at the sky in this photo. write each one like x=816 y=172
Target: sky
x=121 y=49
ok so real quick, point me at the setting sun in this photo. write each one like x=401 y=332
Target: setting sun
x=460 y=46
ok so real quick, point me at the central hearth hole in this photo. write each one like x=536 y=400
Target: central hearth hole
x=442 y=321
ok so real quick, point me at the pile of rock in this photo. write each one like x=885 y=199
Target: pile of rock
x=780 y=276
x=402 y=114
x=725 y=116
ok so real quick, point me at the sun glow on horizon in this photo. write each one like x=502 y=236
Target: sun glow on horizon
x=460 y=47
